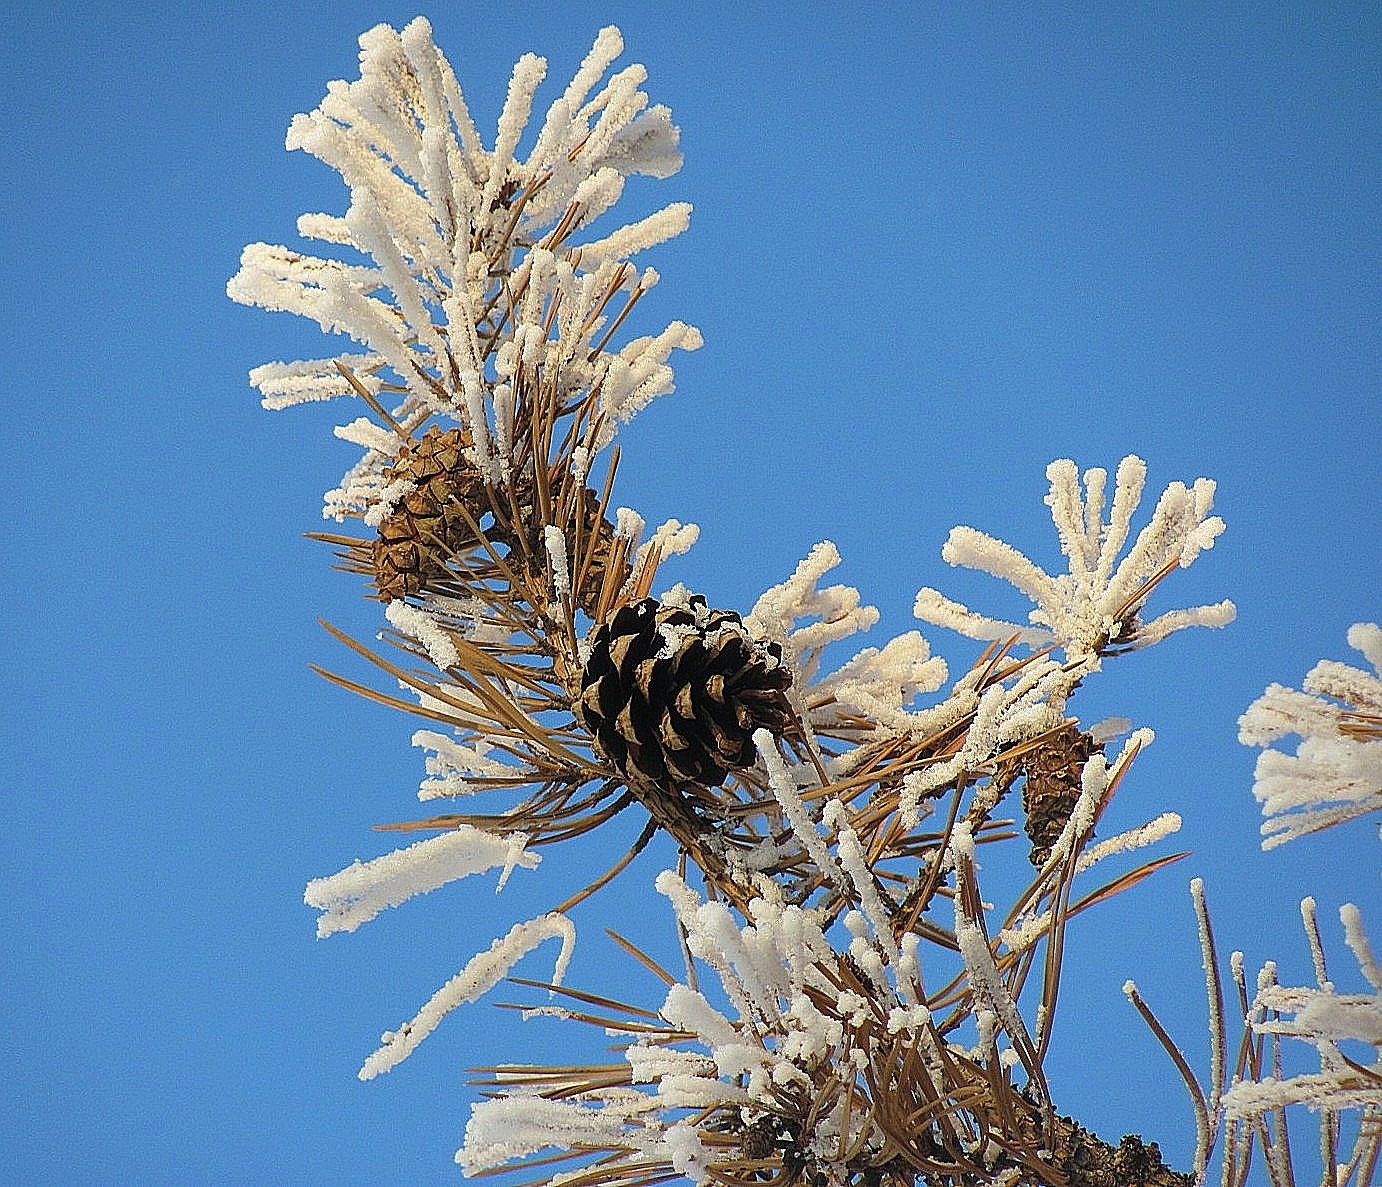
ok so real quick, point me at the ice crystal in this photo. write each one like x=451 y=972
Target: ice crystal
x=1336 y=772
x=1094 y=607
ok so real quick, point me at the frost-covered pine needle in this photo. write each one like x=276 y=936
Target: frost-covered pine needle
x=1335 y=774
x=1094 y=607
x=1151 y=833
x=1214 y=994
x=365 y=888
x=987 y=983
x=481 y=973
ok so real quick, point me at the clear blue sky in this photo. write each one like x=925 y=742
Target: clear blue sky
x=933 y=248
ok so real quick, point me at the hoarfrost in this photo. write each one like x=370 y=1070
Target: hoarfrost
x=482 y=973
x=365 y=888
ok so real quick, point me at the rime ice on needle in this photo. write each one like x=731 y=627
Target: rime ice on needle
x=1094 y=608
x=804 y=618
x=481 y=973
x=445 y=224
x=1329 y=1021
x=360 y=891
x=1336 y=772
x=787 y=1038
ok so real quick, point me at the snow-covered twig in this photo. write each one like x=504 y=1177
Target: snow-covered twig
x=1335 y=774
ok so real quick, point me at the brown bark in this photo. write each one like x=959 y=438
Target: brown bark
x=1085 y=1160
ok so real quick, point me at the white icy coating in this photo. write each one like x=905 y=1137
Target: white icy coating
x=985 y=981
x=482 y=973
x=453 y=763
x=434 y=213
x=555 y=541
x=770 y=1036
x=512 y=1127
x=1333 y=1023
x=835 y=609
x=364 y=888
x=1093 y=607
x=804 y=618
x=782 y=784
x=364 y=432
x=1151 y=833
x=853 y=863
x=1336 y=772
x=423 y=627
x=672 y=538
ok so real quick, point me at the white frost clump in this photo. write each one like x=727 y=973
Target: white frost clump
x=803 y=619
x=990 y=990
x=1336 y=772
x=1094 y=607
x=453 y=763
x=423 y=627
x=437 y=216
x=363 y=889
x=515 y=1126
x=1325 y=1019
x=767 y=970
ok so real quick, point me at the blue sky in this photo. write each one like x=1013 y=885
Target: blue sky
x=933 y=248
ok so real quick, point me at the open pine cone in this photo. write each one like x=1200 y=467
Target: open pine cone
x=674 y=693
x=426 y=525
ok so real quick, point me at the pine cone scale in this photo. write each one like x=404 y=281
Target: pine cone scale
x=676 y=692
x=414 y=540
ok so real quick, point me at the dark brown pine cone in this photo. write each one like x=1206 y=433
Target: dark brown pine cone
x=1052 y=786
x=675 y=693
x=759 y=1140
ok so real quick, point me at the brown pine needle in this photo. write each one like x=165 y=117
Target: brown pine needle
x=593 y=999
x=642 y=957
x=640 y=842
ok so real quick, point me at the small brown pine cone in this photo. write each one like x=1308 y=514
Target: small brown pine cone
x=759 y=1140
x=674 y=693
x=425 y=526
x=1052 y=786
